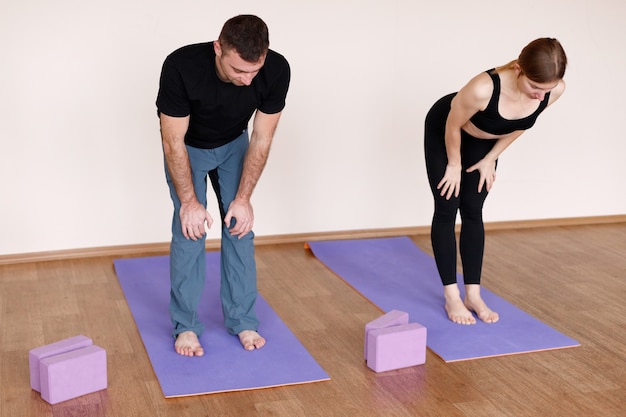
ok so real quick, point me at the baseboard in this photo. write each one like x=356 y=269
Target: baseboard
x=162 y=248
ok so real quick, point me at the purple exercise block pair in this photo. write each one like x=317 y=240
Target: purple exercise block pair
x=391 y=342
x=67 y=369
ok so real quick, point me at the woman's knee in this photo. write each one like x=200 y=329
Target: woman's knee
x=473 y=214
x=445 y=210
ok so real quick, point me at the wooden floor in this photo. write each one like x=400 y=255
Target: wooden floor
x=571 y=278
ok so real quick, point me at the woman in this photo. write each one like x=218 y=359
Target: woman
x=465 y=133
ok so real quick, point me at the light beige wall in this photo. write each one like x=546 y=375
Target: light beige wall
x=81 y=164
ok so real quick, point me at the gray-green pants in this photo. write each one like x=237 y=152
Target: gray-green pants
x=238 y=291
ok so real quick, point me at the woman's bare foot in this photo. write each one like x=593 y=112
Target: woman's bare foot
x=187 y=344
x=475 y=303
x=251 y=340
x=456 y=309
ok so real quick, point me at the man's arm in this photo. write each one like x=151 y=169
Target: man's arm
x=263 y=129
x=192 y=213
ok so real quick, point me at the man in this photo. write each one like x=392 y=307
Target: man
x=207 y=95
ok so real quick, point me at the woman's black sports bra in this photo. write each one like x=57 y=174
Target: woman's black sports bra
x=490 y=121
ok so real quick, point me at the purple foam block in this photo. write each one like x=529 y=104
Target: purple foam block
x=396 y=347
x=393 y=318
x=72 y=374
x=394 y=273
x=63 y=346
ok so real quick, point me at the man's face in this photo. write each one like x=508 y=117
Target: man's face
x=231 y=68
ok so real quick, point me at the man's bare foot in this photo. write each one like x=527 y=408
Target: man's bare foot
x=187 y=344
x=251 y=340
x=456 y=309
x=475 y=303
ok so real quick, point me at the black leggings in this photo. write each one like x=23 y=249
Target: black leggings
x=469 y=202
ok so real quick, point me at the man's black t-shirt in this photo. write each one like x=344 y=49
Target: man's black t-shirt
x=219 y=112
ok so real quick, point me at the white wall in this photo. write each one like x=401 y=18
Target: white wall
x=81 y=163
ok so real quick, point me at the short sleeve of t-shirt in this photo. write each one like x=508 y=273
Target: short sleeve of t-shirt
x=219 y=111
x=276 y=92
x=172 y=99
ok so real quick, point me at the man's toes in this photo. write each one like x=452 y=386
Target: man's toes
x=251 y=340
x=187 y=344
x=259 y=343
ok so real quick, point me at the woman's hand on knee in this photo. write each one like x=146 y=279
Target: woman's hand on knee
x=487 y=171
x=450 y=184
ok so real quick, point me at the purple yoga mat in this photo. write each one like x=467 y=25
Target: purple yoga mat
x=225 y=366
x=394 y=274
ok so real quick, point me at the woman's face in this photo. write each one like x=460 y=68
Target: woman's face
x=535 y=90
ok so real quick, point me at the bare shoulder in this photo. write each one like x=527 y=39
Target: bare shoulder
x=557 y=92
x=476 y=93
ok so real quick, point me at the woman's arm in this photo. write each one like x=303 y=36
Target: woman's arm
x=472 y=98
x=487 y=166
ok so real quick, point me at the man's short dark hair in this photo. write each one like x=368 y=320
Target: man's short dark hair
x=248 y=35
